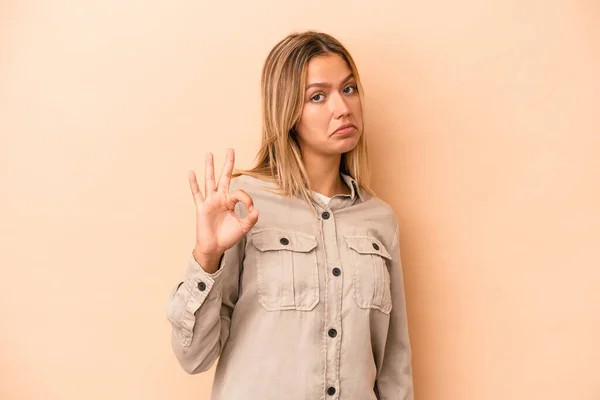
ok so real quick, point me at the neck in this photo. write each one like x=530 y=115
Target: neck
x=324 y=176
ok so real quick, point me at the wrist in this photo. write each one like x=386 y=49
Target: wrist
x=208 y=261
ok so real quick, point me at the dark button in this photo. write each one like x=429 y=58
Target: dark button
x=332 y=333
x=284 y=241
x=202 y=286
x=337 y=272
x=331 y=391
x=325 y=215
x=375 y=246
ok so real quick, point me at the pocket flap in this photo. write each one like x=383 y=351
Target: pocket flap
x=367 y=245
x=277 y=239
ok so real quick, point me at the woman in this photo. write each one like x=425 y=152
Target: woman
x=307 y=301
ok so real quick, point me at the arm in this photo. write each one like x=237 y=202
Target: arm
x=200 y=307
x=199 y=310
x=395 y=381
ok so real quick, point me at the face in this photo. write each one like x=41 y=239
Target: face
x=331 y=120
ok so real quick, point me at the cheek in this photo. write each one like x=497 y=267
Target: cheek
x=314 y=120
x=357 y=108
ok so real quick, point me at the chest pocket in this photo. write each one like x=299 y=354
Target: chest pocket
x=371 y=277
x=286 y=267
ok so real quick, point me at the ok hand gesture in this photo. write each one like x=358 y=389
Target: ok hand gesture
x=217 y=226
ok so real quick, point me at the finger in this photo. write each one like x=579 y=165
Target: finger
x=249 y=220
x=243 y=197
x=226 y=172
x=198 y=199
x=209 y=175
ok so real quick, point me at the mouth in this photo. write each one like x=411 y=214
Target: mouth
x=344 y=129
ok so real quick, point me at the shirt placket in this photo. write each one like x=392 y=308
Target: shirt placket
x=333 y=302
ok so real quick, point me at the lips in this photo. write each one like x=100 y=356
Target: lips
x=346 y=128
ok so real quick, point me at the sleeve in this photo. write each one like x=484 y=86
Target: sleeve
x=199 y=310
x=395 y=380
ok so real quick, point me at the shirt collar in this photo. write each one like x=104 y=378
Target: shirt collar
x=354 y=190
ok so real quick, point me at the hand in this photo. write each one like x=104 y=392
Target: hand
x=217 y=226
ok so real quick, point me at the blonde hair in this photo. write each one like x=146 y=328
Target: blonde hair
x=283 y=82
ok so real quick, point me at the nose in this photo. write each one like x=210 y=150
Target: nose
x=340 y=107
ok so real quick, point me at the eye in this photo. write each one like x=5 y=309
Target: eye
x=317 y=98
x=351 y=89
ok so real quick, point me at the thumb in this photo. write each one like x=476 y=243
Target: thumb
x=249 y=220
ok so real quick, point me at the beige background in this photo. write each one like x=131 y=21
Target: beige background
x=483 y=118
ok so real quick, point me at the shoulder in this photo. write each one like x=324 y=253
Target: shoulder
x=249 y=183
x=379 y=209
x=381 y=219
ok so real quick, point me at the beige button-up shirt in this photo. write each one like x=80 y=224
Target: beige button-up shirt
x=306 y=306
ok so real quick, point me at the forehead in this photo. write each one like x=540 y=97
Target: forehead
x=330 y=68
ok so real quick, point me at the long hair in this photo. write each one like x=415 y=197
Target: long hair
x=283 y=82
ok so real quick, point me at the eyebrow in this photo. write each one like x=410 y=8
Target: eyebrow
x=322 y=84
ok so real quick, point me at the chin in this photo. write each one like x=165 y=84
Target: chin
x=349 y=144
x=345 y=147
